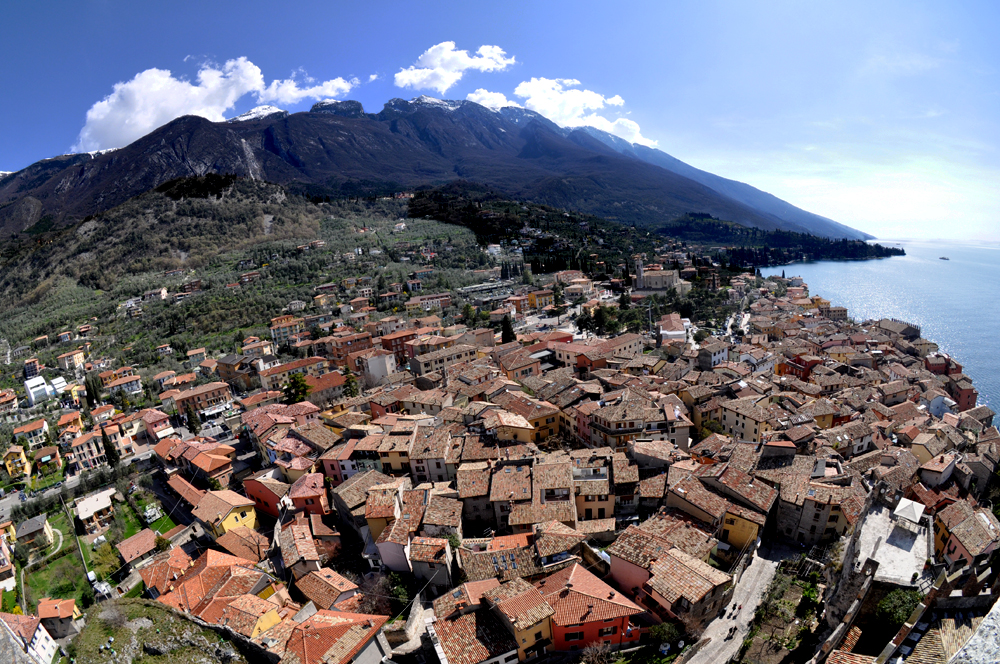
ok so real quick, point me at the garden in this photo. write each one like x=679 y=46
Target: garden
x=785 y=623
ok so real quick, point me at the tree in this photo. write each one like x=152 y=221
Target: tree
x=92 y=383
x=214 y=484
x=624 y=301
x=597 y=653
x=162 y=543
x=507 y=330
x=665 y=633
x=896 y=607
x=105 y=560
x=193 y=421
x=296 y=390
x=351 y=386
x=110 y=451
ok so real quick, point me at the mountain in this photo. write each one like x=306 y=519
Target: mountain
x=739 y=191
x=337 y=148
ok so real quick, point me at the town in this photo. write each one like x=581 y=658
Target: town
x=388 y=476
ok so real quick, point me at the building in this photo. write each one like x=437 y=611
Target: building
x=31 y=636
x=325 y=588
x=439 y=359
x=524 y=612
x=137 y=548
x=72 y=360
x=207 y=400
x=96 y=511
x=585 y=610
x=308 y=493
x=35 y=533
x=59 y=616
x=276 y=377
x=283 y=327
x=33 y=434
x=223 y=510
x=16 y=462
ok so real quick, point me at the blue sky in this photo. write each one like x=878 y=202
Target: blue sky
x=883 y=116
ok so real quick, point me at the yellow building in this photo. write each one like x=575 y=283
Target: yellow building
x=15 y=461
x=250 y=615
x=525 y=614
x=541 y=299
x=221 y=511
x=741 y=526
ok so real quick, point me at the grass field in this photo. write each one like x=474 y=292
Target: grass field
x=164 y=523
x=62 y=577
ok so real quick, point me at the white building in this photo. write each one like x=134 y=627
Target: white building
x=30 y=636
x=37 y=389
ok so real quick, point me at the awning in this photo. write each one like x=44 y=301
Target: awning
x=909 y=510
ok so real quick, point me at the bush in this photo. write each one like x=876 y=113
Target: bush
x=897 y=606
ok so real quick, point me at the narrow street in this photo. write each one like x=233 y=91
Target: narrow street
x=749 y=592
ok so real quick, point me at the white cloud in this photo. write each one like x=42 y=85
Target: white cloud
x=287 y=91
x=154 y=97
x=441 y=66
x=494 y=100
x=373 y=77
x=561 y=101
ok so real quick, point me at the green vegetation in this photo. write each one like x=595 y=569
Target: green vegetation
x=896 y=607
x=296 y=390
x=134 y=623
x=62 y=577
x=753 y=247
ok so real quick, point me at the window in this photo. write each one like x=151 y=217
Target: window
x=730 y=522
x=574 y=636
x=602 y=499
x=538 y=636
x=309 y=501
x=588 y=499
x=243 y=514
x=608 y=631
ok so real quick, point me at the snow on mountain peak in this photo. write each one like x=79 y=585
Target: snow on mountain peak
x=259 y=113
x=446 y=104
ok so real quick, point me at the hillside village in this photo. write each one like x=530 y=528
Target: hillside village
x=360 y=484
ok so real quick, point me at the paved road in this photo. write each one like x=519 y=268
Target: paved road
x=749 y=592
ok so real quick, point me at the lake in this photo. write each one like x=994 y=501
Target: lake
x=955 y=302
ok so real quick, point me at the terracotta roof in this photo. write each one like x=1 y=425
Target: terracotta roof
x=22 y=626
x=467 y=595
x=443 y=511
x=324 y=587
x=297 y=544
x=676 y=574
x=474 y=637
x=245 y=543
x=354 y=491
x=473 y=479
x=577 y=596
x=429 y=549
x=329 y=637
x=139 y=544
x=243 y=613
x=554 y=537
x=844 y=657
x=216 y=505
x=165 y=568
x=309 y=485
x=56 y=608
x=520 y=603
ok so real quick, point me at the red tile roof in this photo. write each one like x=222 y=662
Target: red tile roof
x=577 y=596
x=324 y=587
x=56 y=608
x=138 y=545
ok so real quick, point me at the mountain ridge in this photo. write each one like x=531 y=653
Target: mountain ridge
x=411 y=144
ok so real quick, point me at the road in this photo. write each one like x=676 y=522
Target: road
x=13 y=498
x=749 y=592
